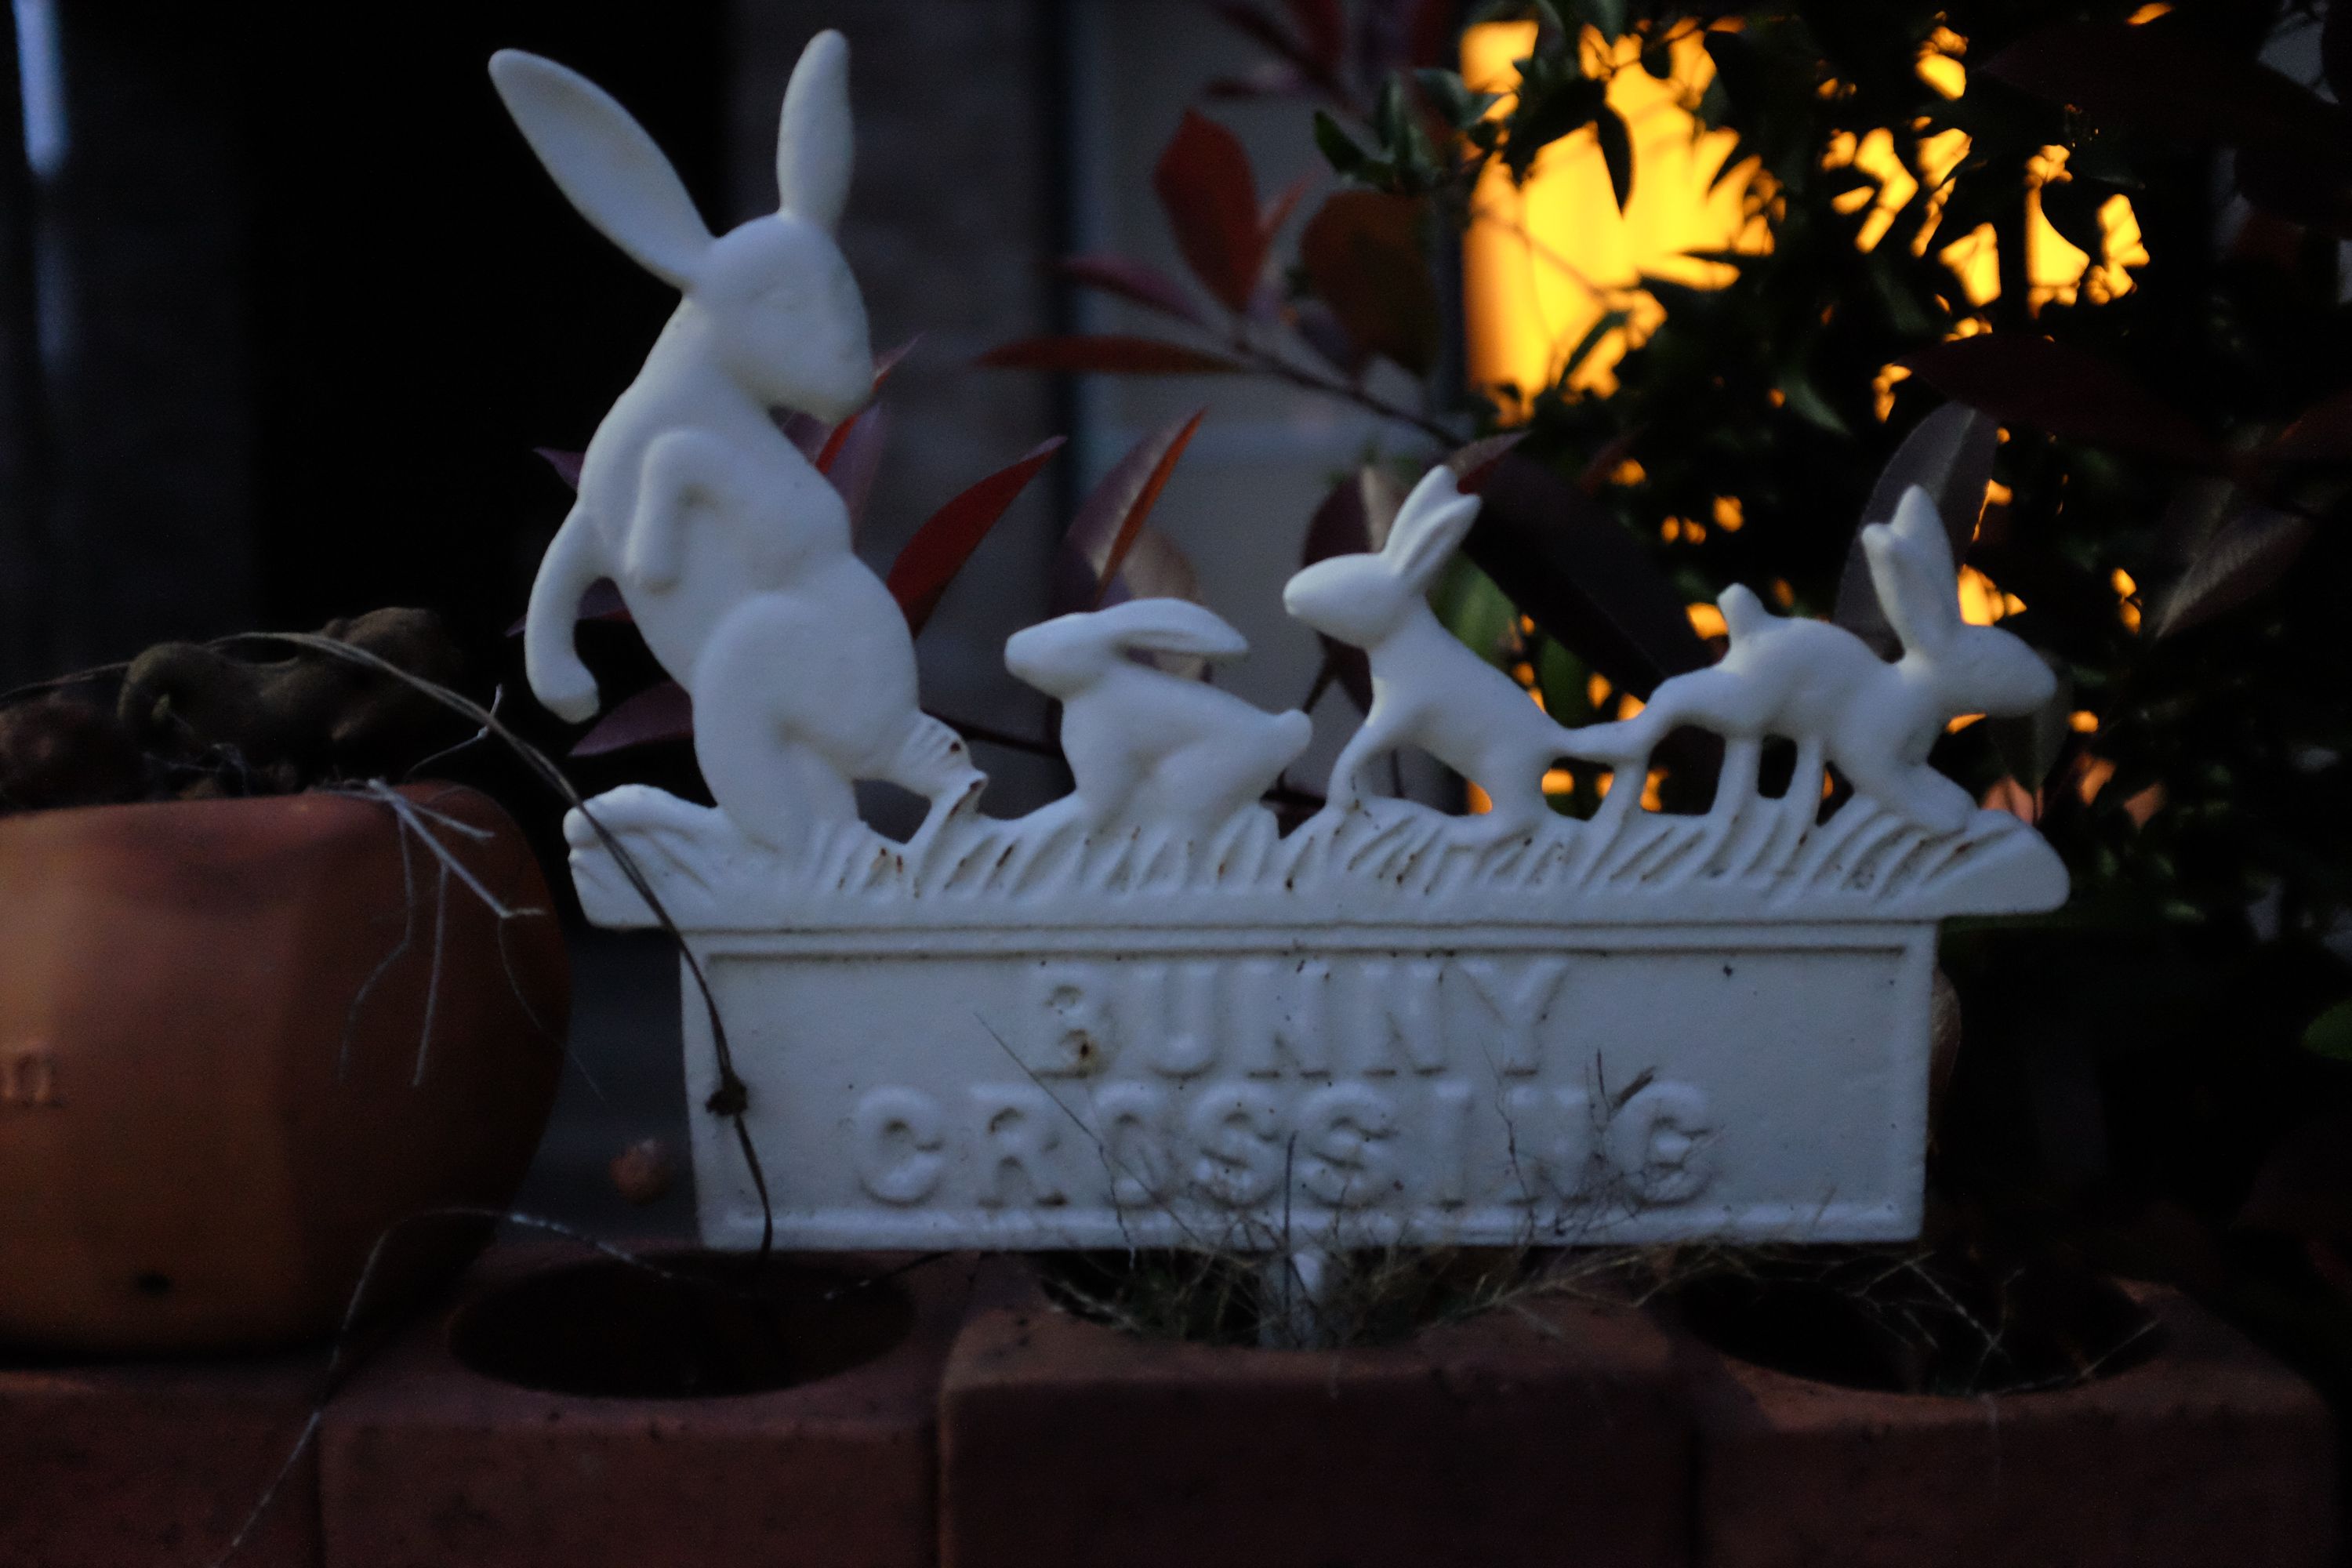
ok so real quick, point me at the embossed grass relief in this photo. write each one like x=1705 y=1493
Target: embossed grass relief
x=1167 y=780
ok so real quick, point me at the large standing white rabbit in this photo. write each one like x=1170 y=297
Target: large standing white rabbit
x=730 y=549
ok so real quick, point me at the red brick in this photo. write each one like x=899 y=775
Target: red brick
x=423 y=1461
x=131 y=1464
x=2207 y=1454
x=1556 y=1434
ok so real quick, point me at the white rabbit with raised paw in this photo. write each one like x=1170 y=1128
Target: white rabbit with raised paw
x=1820 y=686
x=1146 y=746
x=730 y=549
x=1428 y=689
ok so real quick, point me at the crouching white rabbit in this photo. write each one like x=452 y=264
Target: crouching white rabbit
x=730 y=549
x=1145 y=747
x=1428 y=689
x=1824 y=688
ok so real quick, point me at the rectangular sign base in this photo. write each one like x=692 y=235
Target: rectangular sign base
x=1253 y=1088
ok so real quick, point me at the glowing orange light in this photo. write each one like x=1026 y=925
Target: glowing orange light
x=1546 y=262
x=1549 y=263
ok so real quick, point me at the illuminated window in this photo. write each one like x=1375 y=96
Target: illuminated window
x=1548 y=261
x=1553 y=268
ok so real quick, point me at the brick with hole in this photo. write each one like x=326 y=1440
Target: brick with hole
x=1544 y=1431
x=2198 y=1452
x=571 y=1409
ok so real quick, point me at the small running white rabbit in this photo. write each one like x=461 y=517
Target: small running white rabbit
x=1146 y=746
x=1823 y=687
x=728 y=546
x=1428 y=689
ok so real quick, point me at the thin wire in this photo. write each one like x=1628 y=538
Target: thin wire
x=733 y=1098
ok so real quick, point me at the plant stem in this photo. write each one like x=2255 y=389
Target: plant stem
x=1274 y=364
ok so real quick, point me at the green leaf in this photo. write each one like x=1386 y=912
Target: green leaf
x=1609 y=15
x=1617 y=152
x=2031 y=745
x=1592 y=339
x=1565 y=682
x=1462 y=108
x=1478 y=611
x=2330 y=1033
x=1339 y=148
x=1556 y=100
x=1806 y=402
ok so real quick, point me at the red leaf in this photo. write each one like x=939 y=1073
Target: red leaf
x=2335 y=51
x=565 y=464
x=1154 y=569
x=1363 y=256
x=1565 y=562
x=1271 y=80
x=658 y=713
x=1320 y=325
x=2066 y=391
x=1277 y=211
x=828 y=453
x=940 y=548
x=887 y=359
x=1322 y=30
x=818 y=441
x=838 y=437
x=854 y=456
x=1108 y=519
x=1109 y=354
x=601 y=602
x=2247 y=556
x=2304 y=181
x=1342 y=526
x=1430 y=35
x=1474 y=464
x=805 y=431
x=1205 y=185
x=1948 y=454
x=1305 y=53
x=1602 y=466
x=1137 y=280
x=2162 y=78
x=2320 y=434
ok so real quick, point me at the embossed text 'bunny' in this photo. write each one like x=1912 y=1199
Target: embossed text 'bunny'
x=730 y=549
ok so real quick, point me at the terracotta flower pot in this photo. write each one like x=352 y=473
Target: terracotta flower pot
x=240 y=1039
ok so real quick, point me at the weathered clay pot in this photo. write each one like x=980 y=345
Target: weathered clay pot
x=238 y=1040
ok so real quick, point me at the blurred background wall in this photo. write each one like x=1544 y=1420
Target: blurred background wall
x=285 y=304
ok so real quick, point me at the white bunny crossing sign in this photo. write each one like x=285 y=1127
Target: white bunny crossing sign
x=1146 y=1013
x=1212 y=1091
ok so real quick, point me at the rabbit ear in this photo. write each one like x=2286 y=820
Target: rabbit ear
x=604 y=162
x=1429 y=527
x=816 y=146
x=1171 y=625
x=1911 y=567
